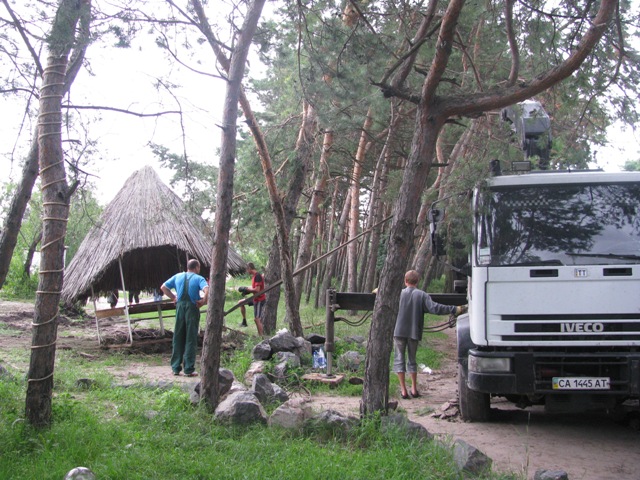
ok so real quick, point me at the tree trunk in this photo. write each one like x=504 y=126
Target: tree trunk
x=377 y=205
x=55 y=203
x=317 y=197
x=19 y=202
x=212 y=345
x=274 y=270
x=376 y=387
x=354 y=218
x=334 y=260
x=31 y=252
x=432 y=113
x=281 y=210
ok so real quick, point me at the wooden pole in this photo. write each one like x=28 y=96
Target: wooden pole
x=126 y=300
x=95 y=314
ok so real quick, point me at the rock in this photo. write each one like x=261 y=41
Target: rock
x=240 y=408
x=85 y=383
x=280 y=394
x=303 y=351
x=254 y=369
x=225 y=381
x=291 y=414
x=283 y=342
x=238 y=387
x=542 y=474
x=470 y=459
x=357 y=339
x=315 y=338
x=356 y=381
x=290 y=358
x=409 y=428
x=280 y=370
x=329 y=424
x=263 y=389
x=262 y=351
x=350 y=361
x=4 y=373
x=80 y=473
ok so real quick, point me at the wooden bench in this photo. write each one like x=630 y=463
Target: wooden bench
x=147 y=307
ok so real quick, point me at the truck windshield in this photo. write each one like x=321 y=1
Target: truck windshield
x=559 y=225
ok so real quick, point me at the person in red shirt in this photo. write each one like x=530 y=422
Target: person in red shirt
x=257 y=285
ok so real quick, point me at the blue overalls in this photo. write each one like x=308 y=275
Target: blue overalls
x=185 y=334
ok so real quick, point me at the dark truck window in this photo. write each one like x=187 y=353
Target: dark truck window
x=559 y=225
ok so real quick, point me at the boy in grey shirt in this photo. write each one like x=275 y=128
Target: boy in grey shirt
x=414 y=303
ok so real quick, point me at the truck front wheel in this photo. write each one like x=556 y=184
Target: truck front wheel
x=474 y=406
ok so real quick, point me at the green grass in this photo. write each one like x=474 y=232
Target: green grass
x=143 y=433
x=139 y=433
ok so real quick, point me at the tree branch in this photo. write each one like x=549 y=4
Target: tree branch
x=513 y=44
x=121 y=110
x=471 y=104
x=18 y=24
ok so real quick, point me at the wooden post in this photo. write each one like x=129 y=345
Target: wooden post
x=160 y=318
x=126 y=300
x=329 y=341
x=95 y=314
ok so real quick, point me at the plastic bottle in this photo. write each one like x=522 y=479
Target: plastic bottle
x=322 y=361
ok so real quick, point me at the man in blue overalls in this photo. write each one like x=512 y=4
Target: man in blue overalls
x=188 y=286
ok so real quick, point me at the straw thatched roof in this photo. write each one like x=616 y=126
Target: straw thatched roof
x=150 y=229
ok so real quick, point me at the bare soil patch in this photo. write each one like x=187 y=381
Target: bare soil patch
x=590 y=447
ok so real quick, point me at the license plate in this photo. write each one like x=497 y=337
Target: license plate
x=581 y=383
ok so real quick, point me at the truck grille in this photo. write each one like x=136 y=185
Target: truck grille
x=573 y=328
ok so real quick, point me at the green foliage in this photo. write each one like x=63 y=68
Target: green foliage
x=437 y=285
x=632 y=166
x=18 y=285
x=197 y=181
x=83 y=215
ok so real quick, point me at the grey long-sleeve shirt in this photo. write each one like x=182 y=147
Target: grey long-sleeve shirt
x=414 y=303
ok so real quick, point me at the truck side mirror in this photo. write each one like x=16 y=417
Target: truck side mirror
x=434 y=216
x=437 y=245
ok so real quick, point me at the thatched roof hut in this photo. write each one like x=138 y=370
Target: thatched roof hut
x=149 y=229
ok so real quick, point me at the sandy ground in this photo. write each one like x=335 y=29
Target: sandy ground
x=590 y=447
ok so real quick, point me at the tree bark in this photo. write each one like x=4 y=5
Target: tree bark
x=334 y=260
x=212 y=345
x=31 y=252
x=55 y=203
x=318 y=195
x=273 y=272
x=354 y=217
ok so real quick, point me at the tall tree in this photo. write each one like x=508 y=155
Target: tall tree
x=55 y=201
x=434 y=110
x=212 y=345
x=354 y=216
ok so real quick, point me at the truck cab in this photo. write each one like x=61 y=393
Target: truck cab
x=554 y=293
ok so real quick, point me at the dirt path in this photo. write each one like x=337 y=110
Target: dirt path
x=589 y=447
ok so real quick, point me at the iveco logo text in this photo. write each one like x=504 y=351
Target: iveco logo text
x=581 y=327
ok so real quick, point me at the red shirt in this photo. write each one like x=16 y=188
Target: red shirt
x=257 y=283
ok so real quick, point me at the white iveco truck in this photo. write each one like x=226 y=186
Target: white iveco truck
x=554 y=293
